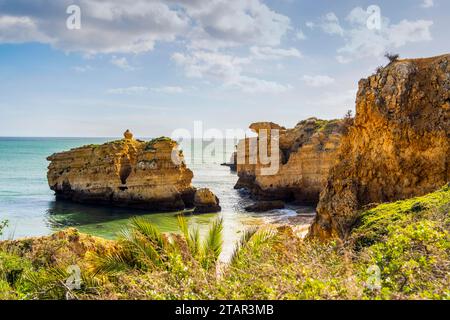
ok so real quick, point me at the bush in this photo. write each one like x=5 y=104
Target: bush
x=392 y=57
x=3 y=225
x=408 y=242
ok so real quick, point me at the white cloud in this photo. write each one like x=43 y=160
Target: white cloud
x=209 y=30
x=227 y=69
x=310 y=24
x=362 y=42
x=300 y=35
x=330 y=24
x=108 y=26
x=427 y=4
x=142 y=89
x=168 y=90
x=128 y=90
x=255 y=85
x=228 y=23
x=18 y=29
x=342 y=59
x=121 y=63
x=268 y=53
x=318 y=80
x=82 y=69
x=134 y=26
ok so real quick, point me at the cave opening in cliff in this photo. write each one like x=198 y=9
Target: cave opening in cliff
x=125 y=169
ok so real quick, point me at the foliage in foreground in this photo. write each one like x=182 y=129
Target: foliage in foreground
x=399 y=250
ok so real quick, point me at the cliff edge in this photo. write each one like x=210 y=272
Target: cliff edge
x=398 y=147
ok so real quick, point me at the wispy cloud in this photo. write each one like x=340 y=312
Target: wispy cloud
x=268 y=53
x=121 y=63
x=300 y=35
x=142 y=89
x=227 y=69
x=128 y=90
x=318 y=80
x=361 y=42
x=168 y=90
x=82 y=69
x=427 y=4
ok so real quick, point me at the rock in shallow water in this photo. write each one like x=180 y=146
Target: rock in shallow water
x=306 y=153
x=263 y=206
x=128 y=173
x=205 y=201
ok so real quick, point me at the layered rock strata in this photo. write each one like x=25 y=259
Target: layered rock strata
x=398 y=147
x=205 y=201
x=306 y=153
x=129 y=173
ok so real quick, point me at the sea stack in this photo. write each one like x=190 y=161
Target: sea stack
x=128 y=173
x=306 y=153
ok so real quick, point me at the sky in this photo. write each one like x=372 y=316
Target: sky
x=154 y=66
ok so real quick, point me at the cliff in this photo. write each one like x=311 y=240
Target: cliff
x=306 y=153
x=127 y=172
x=397 y=148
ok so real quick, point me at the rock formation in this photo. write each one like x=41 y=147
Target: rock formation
x=398 y=146
x=263 y=206
x=205 y=201
x=306 y=153
x=130 y=173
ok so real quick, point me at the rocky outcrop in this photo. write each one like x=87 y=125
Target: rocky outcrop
x=205 y=201
x=130 y=173
x=306 y=153
x=263 y=206
x=398 y=147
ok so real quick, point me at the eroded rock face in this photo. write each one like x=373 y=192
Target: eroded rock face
x=306 y=153
x=127 y=172
x=205 y=201
x=398 y=147
x=263 y=206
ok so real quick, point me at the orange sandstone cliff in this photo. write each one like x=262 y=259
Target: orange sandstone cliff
x=306 y=154
x=127 y=172
x=398 y=147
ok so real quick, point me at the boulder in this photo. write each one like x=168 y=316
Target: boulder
x=263 y=206
x=205 y=201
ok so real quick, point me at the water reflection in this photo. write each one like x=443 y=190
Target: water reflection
x=108 y=221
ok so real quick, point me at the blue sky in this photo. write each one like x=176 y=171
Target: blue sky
x=155 y=66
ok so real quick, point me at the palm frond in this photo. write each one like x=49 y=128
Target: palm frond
x=192 y=236
x=194 y=239
x=146 y=253
x=149 y=230
x=252 y=238
x=262 y=236
x=47 y=284
x=242 y=243
x=212 y=246
x=109 y=263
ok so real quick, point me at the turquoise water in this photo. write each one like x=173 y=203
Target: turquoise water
x=29 y=205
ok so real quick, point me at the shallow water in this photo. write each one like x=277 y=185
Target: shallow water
x=29 y=205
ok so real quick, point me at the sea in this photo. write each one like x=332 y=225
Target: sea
x=30 y=208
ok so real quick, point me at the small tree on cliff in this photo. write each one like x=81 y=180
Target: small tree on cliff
x=392 y=57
